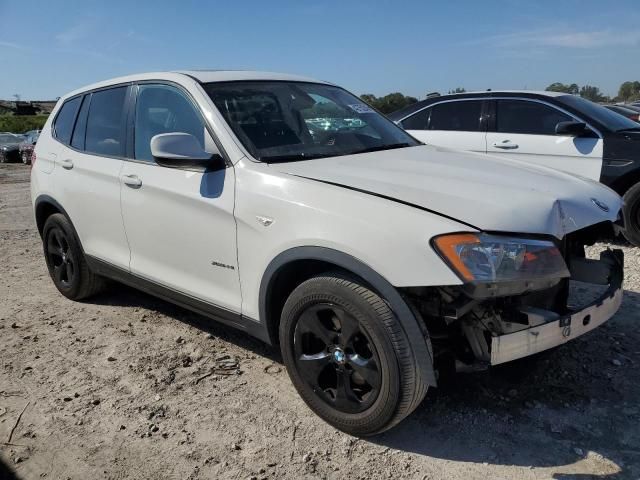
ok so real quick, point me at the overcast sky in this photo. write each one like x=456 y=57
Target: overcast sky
x=50 y=48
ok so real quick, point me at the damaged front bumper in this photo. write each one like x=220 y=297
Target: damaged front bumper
x=609 y=271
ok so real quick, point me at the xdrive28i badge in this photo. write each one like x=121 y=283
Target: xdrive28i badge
x=602 y=206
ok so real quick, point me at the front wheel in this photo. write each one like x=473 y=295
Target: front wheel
x=631 y=212
x=25 y=158
x=348 y=356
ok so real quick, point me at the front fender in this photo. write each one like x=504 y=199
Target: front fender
x=419 y=341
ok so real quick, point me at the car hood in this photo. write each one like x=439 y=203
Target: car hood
x=481 y=191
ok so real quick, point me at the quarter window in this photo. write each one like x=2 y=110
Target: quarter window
x=461 y=116
x=522 y=116
x=105 y=123
x=164 y=109
x=65 y=119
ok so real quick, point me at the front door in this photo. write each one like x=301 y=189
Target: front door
x=179 y=223
x=525 y=130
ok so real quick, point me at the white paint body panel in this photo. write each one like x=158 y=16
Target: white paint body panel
x=177 y=223
x=468 y=141
x=578 y=155
x=484 y=191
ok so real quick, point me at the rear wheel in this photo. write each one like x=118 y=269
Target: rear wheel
x=631 y=212
x=347 y=355
x=66 y=263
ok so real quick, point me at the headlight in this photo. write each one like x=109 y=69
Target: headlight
x=479 y=257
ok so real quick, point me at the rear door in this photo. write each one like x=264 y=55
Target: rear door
x=454 y=124
x=179 y=223
x=524 y=129
x=88 y=160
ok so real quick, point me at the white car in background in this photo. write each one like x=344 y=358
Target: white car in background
x=370 y=259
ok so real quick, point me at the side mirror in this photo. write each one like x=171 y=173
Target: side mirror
x=572 y=129
x=182 y=150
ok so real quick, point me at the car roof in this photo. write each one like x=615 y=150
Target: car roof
x=202 y=76
x=403 y=112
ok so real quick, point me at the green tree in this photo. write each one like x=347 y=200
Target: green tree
x=592 y=93
x=389 y=103
x=21 y=123
x=573 y=88
x=629 y=91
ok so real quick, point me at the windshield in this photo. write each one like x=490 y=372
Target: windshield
x=607 y=118
x=288 y=121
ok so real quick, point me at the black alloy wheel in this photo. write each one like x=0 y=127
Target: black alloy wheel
x=65 y=259
x=60 y=258
x=336 y=358
x=348 y=355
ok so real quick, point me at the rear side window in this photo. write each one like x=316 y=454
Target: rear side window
x=522 y=116
x=461 y=116
x=105 y=123
x=63 y=125
x=417 y=121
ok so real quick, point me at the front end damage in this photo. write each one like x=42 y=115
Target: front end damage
x=479 y=325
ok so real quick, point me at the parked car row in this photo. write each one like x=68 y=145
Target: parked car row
x=555 y=130
x=372 y=260
x=18 y=147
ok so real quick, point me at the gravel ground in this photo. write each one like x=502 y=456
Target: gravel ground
x=128 y=386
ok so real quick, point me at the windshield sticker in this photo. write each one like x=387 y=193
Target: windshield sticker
x=360 y=108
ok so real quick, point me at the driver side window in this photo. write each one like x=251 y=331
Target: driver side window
x=164 y=109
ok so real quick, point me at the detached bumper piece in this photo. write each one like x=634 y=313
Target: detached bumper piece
x=607 y=270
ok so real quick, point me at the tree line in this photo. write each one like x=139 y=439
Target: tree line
x=628 y=92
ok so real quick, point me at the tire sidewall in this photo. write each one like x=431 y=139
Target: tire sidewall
x=58 y=221
x=326 y=290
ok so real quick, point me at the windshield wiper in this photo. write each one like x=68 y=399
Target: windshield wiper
x=379 y=148
x=630 y=129
x=289 y=157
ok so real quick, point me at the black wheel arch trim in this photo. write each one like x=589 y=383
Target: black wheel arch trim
x=42 y=199
x=403 y=311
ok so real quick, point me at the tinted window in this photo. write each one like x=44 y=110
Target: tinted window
x=521 y=116
x=77 y=141
x=163 y=109
x=462 y=116
x=606 y=118
x=64 y=121
x=105 y=132
x=417 y=121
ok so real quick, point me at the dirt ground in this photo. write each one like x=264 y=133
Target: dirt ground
x=117 y=387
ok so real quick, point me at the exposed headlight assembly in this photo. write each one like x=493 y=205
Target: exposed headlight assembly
x=485 y=258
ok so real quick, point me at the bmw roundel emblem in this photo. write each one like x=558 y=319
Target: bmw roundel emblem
x=602 y=206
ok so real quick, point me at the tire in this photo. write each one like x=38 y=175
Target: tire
x=25 y=158
x=631 y=212
x=348 y=356
x=65 y=260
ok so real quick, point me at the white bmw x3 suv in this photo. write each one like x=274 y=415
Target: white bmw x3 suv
x=288 y=208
